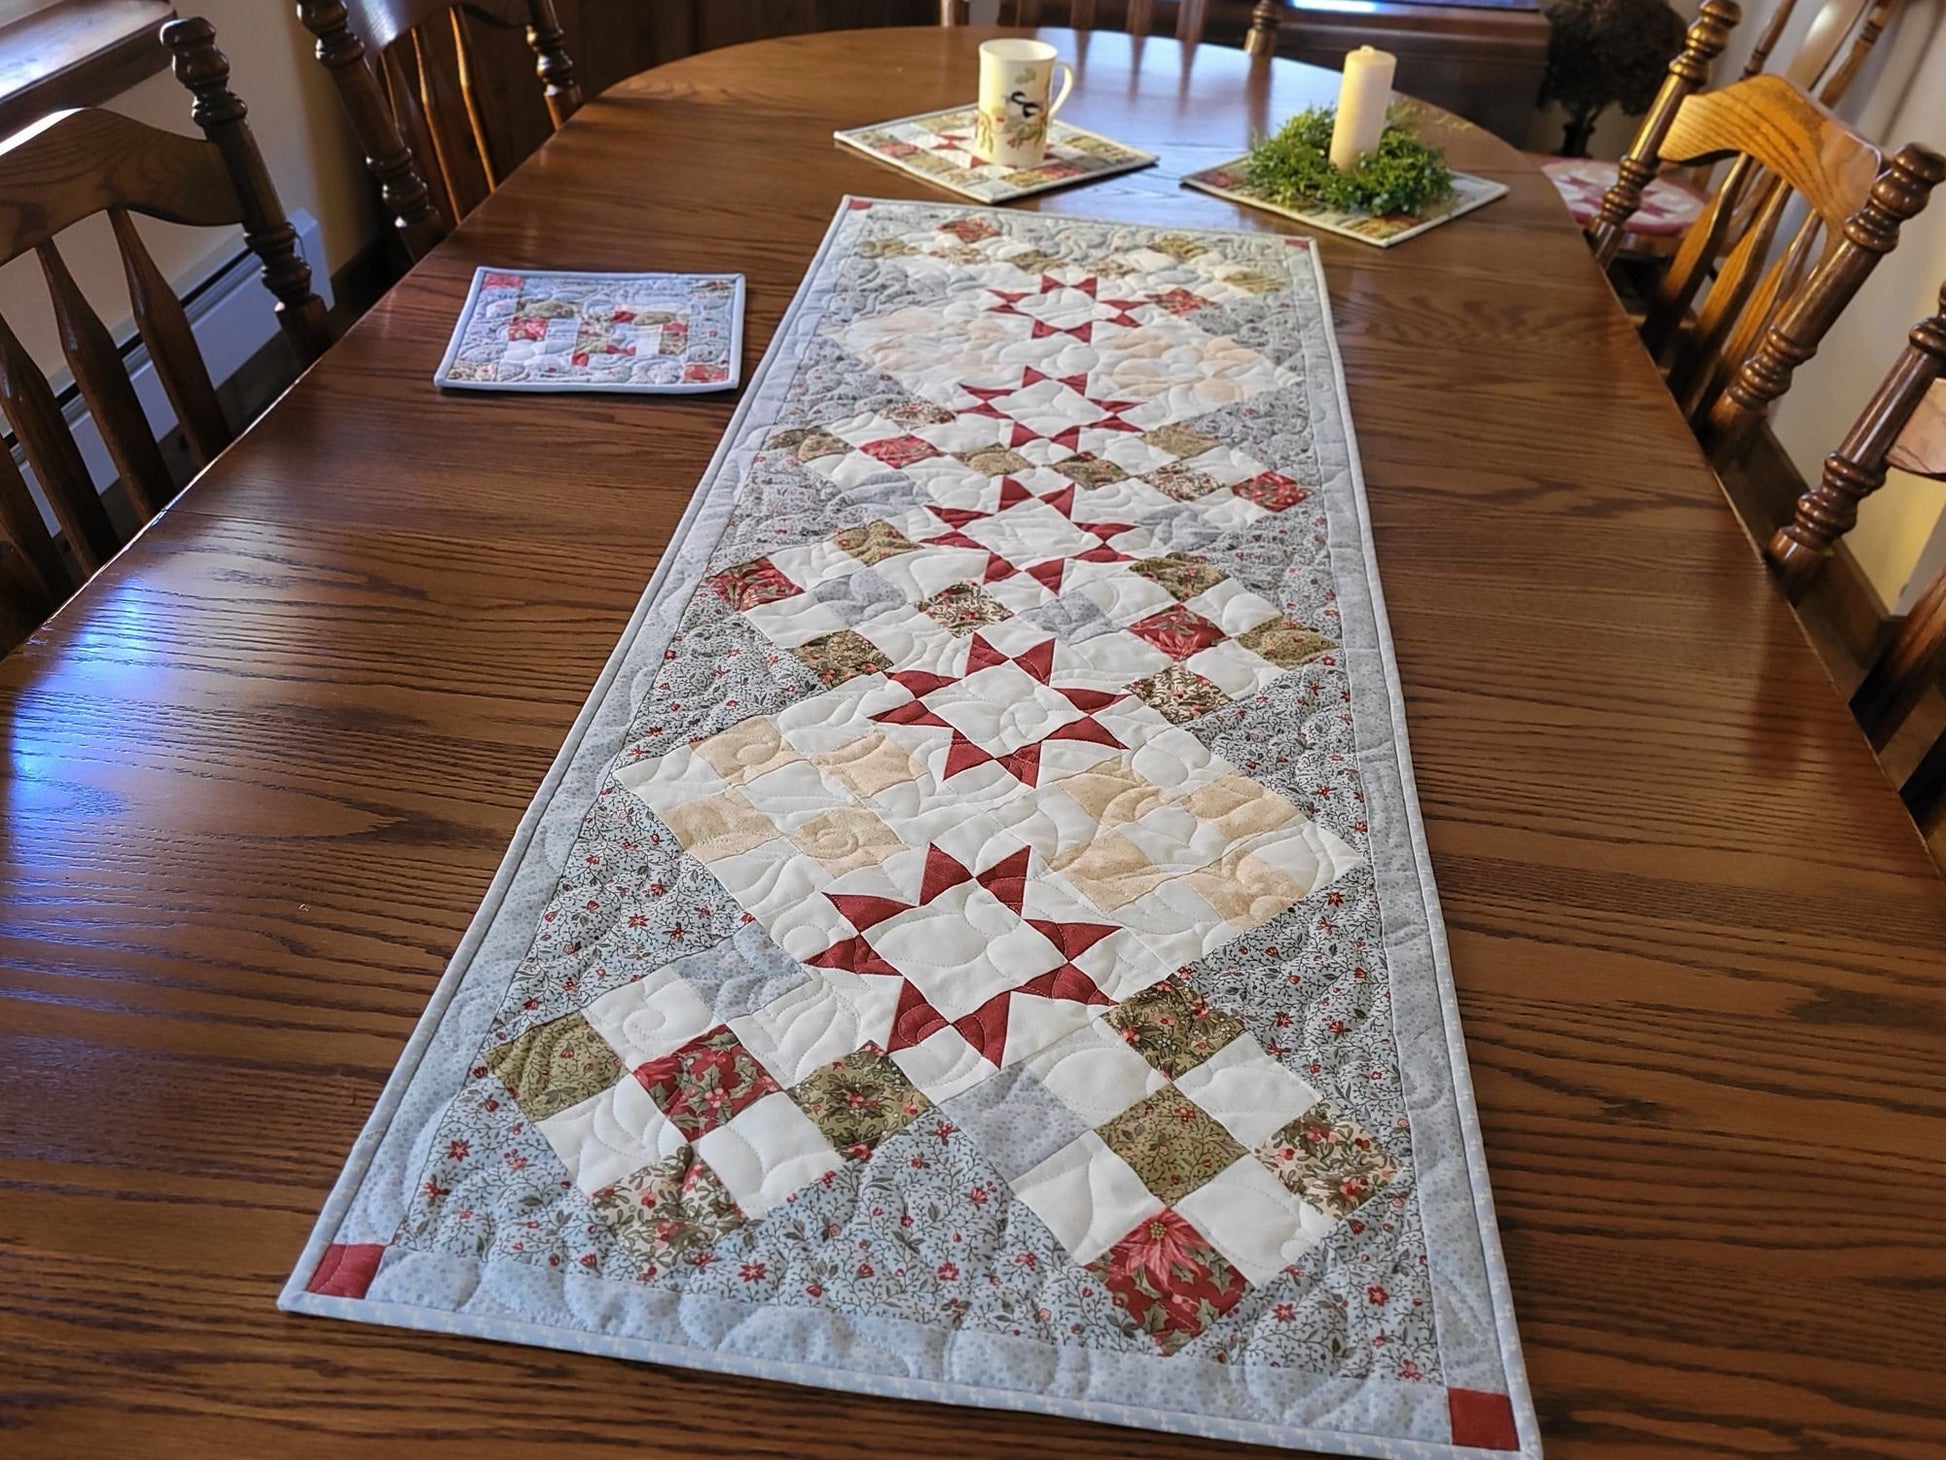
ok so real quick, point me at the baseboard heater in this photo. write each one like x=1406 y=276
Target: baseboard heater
x=232 y=316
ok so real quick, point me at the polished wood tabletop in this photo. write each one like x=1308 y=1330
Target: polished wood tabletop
x=261 y=771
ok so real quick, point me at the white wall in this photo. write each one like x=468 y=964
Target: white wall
x=295 y=114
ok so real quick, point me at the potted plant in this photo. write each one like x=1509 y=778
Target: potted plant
x=1603 y=53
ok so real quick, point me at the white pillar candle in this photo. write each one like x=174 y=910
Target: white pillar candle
x=1363 y=97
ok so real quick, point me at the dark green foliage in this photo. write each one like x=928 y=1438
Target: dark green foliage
x=1293 y=166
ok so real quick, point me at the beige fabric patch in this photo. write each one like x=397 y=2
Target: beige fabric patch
x=720 y=826
x=845 y=839
x=747 y=750
x=868 y=765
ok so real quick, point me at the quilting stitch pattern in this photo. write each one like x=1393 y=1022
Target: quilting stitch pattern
x=976 y=925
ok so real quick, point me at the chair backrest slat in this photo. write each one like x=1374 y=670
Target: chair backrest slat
x=105 y=386
x=1139 y=17
x=37 y=579
x=1764 y=314
x=164 y=327
x=30 y=405
x=78 y=163
x=413 y=80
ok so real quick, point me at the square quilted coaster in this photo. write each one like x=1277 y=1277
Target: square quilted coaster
x=977 y=943
x=532 y=329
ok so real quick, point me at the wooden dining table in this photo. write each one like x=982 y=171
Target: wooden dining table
x=260 y=772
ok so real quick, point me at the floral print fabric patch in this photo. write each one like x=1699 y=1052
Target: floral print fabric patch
x=940 y=147
x=977 y=944
x=527 y=329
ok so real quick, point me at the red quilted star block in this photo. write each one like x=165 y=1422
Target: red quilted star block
x=346 y=1270
x=1178 y=631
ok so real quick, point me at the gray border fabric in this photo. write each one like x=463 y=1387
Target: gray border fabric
x=1478 y=1343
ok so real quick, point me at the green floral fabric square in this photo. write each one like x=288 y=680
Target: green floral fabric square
x=965 y=606
x=1179 y=693
x=1180 y=482
x=554 y=1065
x=1283 y=643
x=874 y=542
x=669 y=1211
x=1328 y=1159
x=1172 y=1028
x=1171 y=1143
x=840 y=656
x=860 y=1100
x=1090 y=471
x=994 y=461
x=1183 y=575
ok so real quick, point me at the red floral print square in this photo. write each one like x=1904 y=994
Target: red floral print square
x=1272 y=491
x=702 y=373
x=1181 y=301
x=970 y=230
x=533 y=328
x=900 y=451
x=706 y=1083
x=1169 y=1280
x=749 y=584
x=1178 y=631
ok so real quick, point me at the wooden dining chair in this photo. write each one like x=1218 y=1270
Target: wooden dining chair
x=1903 y=426
x=1139 y=17
x=1766 y=301
x=70 y=166
x=411 y=76
x=1914 y=661
x=1660 y=205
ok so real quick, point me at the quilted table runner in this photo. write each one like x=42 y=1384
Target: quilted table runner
x=978 y=943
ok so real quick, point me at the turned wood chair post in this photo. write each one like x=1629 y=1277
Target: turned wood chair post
x=1688 y=73
x=1799 y=550
x=548 y=42
x=1899 y=193
x=401 y=188
x=220 y=113
x=1261 y=40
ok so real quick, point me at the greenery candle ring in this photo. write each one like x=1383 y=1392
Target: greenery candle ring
x=1402 y=175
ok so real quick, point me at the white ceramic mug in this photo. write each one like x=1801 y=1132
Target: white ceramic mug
x=1016 y=82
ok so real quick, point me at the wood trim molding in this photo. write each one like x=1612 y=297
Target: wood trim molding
x=77 y=53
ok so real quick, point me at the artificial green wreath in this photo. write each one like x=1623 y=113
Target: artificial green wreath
x=1293 y=166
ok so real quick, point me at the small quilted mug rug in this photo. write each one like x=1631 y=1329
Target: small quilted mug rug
x=647 y=334
x=978 y=942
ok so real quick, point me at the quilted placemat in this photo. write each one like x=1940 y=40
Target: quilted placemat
x=1228 y=180
x=977 y=943
x=938 y=146
x=534 y=329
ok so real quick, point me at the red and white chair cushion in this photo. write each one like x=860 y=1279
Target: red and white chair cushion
x=1669 y=204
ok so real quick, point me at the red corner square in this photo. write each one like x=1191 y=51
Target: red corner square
x=1485 y=1421
x=346 y=1270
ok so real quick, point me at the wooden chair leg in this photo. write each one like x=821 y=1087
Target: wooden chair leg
x=1799 y=550
x=548 y=42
